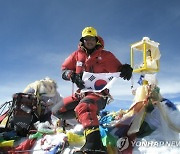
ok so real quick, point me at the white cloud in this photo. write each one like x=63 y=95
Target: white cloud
x=7 y=91
x=51 y=58
x=169 y=86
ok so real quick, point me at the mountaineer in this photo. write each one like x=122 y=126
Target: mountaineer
x=90 y=57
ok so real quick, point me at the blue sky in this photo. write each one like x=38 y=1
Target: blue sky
x=37 y=35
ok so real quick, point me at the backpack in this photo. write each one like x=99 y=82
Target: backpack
x=23 y=113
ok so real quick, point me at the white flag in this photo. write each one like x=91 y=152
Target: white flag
x=97 y=82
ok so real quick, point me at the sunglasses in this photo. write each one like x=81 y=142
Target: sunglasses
x=89 y=39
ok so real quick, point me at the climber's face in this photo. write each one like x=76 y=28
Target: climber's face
x=90 y=42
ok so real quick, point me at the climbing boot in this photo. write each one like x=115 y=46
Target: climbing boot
x=93 y=144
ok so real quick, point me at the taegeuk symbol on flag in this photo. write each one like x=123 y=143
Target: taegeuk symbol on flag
x=97 y=82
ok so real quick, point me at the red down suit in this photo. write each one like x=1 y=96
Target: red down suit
x=100 y=61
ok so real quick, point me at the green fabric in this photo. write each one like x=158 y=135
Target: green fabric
x=144 y=130
x=1 y=139
x=109 y=140
x=37 y=135
x=149 y=107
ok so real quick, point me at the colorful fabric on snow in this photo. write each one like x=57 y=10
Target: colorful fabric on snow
x=169 y=104
x=51 y=143
x=140 y=81
x=24 y=147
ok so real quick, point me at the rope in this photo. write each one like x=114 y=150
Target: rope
x=108 y=96
x=22 y=151
x=4 y=105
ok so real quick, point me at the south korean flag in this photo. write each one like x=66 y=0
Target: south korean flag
x=97 y=82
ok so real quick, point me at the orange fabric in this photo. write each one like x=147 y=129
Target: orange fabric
x=3 y=116
x=87 y=114
x=100 y=61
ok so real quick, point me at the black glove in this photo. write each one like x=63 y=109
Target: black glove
x=126 y=72
x=77 y=79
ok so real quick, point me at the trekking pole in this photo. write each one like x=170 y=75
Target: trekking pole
x=132 y=82
x=72 y=88
x=64 y=125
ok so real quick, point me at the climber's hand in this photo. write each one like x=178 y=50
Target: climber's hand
x=77 y=79
x=126 y=72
